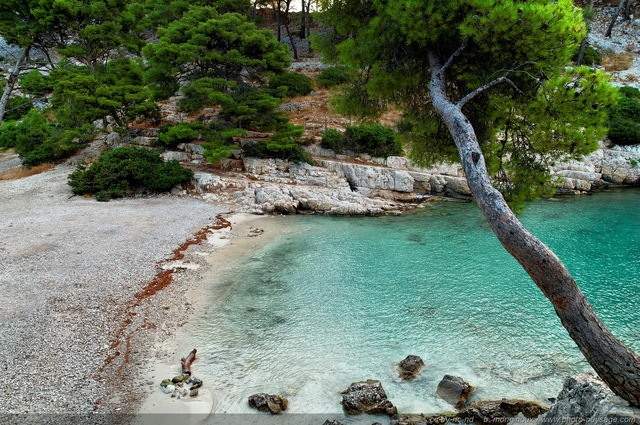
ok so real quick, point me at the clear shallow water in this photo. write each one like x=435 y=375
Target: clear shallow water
x=331 y=301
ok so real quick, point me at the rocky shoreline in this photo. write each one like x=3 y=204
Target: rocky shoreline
x=361 y=185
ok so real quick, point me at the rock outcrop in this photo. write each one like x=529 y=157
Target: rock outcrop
x=454 y=390
x=604 y=167
x=367 y=397
x=499 y=411
x=362 y=185
x=410 y=367
x=481 y=413
x=585 y=398
x=272 y=403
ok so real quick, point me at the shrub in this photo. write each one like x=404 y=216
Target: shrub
x=335 y=75
x=296 y=84
x=206 y=91
x=591 y=57
x=268 y=149
x=253 y=108
x=283 y=144
x=332 y=139
x=61 y=144
x=627 y=108
x=220 y=144
x=37 y=141
x=376 y=140
x=630 y=92
x=623 y=131
x=624 y=118
x=126 y=171
x=17 y=107
x=170 y=136
x=36 y=83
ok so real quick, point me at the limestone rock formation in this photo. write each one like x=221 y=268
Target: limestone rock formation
x=272 y=403
x=585 y=398
x=454 y=390
x=410 y=367
x=367 y=397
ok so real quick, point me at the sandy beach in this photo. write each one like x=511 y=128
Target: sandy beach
x=87 y=314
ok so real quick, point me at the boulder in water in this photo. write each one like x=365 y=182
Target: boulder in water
x=272 y=403
x=410 y=367
x=454 y=390
x=367 y=397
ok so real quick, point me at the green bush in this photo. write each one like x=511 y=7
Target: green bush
x=220 y=144
x=283 y=144
x=624 y=118
x=268 y=149
x=630 y=92
x=591 y=56
x=17 y=107
x=376 y=140
x=296 y=84
x=253 y=109
x=37 y=141
x=61 y=144
x=627 y=108
x=170 y=136
x=335 y=75
x=36 y=83
x=126 y=171
x=206 y=91
x=623 y=131
x=332 y=139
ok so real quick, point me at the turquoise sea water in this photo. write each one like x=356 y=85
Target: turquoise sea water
x=331 y=301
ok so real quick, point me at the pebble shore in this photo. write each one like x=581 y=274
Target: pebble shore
x=74 y=329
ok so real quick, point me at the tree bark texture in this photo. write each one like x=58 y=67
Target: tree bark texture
x=614 y=19
x=626 y=16
x=11 y=81
x=286 y=27
x=583 y=43
x=303 y=22
x=616 y=364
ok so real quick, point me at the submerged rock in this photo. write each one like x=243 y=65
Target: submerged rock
x=410 y=367
x=333 y=422
x=367 y=397
x=454 y=390
x=273 y=403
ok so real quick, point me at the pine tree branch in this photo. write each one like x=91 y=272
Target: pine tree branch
x=454 y=55
x=487 y=86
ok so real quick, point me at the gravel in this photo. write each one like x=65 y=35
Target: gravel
x=69 y=269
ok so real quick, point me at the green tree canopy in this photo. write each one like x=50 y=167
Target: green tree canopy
x=521 y=49
x=115 y=90
x=205 y=44
x=154 y=14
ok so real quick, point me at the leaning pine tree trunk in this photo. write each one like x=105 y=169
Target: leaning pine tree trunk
x=617 y=365
x=11 y=81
